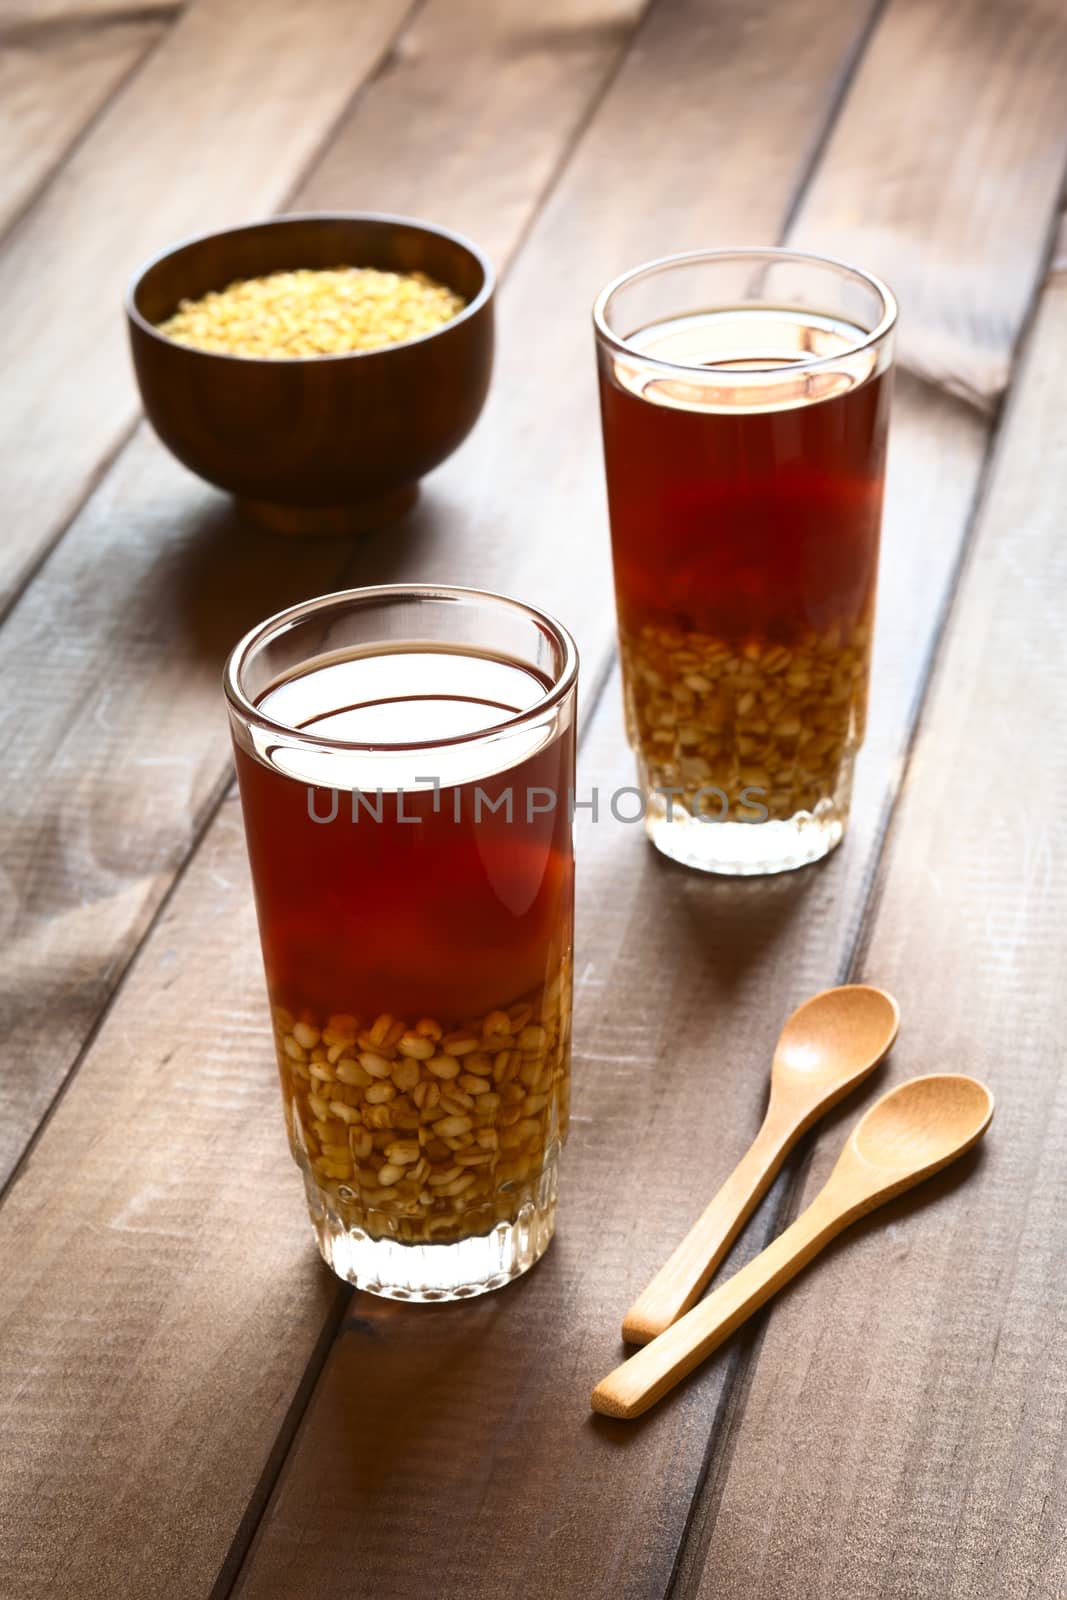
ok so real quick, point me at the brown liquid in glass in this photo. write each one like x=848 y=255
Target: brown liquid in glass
x=743 y=512
x=443 y=908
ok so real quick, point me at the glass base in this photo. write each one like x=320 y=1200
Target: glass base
x=749 y=849
x=431 y=1272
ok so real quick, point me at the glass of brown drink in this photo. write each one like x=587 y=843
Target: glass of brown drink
x=745 y=401
x=406 y=767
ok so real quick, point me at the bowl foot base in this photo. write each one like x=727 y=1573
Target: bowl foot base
x=329 y=521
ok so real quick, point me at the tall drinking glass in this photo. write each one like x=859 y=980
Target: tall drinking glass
x=406 y=766
x=745 y=401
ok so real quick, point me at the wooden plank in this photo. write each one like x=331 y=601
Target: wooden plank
x=50 y=88
x=260 y=86
x=683 y=983
x=502 y=512
x=121 y=766
x=106 y=758
x=904 y=1432
x=510 y=70
x=128 y=1447
x=943 y=175
x=68 y=14
x=177 y=623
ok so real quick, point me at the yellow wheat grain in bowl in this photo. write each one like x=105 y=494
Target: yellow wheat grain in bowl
x=312 y=312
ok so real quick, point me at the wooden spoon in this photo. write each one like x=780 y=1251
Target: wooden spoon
x=913 y=1131
x=827 y=1047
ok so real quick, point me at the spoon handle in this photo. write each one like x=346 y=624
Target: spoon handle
x=642 y=1380
x=679 y=1282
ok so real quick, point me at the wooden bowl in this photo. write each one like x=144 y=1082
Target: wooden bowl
x=317 y=444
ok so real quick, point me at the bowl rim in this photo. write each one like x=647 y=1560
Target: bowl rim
x=140 y=321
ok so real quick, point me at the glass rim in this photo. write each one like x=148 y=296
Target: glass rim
x=767 y=253
x=282 y=621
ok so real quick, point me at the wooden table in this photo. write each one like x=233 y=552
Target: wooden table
x=191 y=1405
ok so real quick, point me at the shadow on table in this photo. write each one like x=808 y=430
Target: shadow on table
x=727 y=926
x=227 y=575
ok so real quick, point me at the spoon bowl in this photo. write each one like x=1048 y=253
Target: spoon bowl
x=921 y=1126
x=838 y=1035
